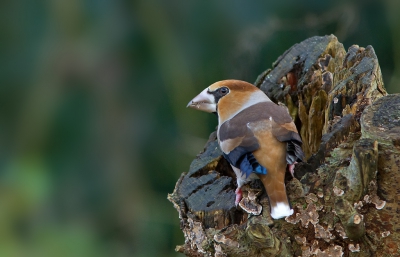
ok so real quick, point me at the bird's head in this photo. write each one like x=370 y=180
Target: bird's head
x=227 y=97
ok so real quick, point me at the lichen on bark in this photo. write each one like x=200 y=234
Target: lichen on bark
x=345 y=196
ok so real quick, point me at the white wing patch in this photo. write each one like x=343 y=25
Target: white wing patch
x=229 y=144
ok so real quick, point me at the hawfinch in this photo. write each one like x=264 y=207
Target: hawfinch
x=256 y=136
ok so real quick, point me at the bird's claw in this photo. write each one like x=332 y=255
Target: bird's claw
x=291 y=168
x=239 y=195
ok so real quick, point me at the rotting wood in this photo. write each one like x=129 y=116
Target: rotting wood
x=345 y=197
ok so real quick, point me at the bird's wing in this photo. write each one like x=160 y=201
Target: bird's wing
x=237 y=139
x=287 y=132
x=237 y=143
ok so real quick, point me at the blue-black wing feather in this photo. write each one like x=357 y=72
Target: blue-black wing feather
x=242 y=156
x=245 y=161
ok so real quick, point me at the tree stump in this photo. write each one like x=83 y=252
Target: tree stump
x=346 y=196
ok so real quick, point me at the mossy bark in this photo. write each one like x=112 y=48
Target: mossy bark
x=346 y=195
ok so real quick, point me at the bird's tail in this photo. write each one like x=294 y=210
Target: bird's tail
x=275 y=186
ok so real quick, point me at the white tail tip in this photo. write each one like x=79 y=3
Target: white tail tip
x=281 y=210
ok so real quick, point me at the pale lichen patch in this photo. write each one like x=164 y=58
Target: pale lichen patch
x=385 y=233
x=218 y=251
x=373 y=198
x=249 y=202
x=196 y=235
x=379 y=204
x=337 y=191
x=222 y=239
x=340 y=230
x=358 y=205
x=300 y=240
x=314 y=250
x=311 y=198
x=309 y=215
x=321 y=232
x=358 y=218
x=354 y=248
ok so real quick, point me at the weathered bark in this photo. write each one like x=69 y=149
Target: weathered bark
x=346 y=196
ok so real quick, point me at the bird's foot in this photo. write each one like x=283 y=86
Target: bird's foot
x=291 y=168
x=239 y=195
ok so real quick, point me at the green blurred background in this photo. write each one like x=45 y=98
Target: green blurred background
x=93 y=127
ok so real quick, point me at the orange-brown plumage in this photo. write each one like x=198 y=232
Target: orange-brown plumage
x=256 y=136
x=271 y=155
x=236 y=99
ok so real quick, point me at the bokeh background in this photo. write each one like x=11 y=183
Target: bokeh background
x=93 y=127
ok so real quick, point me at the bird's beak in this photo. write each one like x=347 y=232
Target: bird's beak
x=203 y=102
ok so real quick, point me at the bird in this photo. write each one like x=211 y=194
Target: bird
x=257 y=137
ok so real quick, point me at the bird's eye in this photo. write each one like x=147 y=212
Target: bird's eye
x=224 y=90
